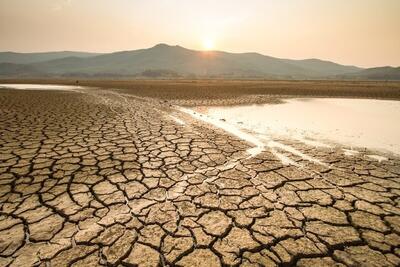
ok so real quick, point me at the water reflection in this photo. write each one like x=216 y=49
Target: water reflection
x=39 y=87
x=356 y=122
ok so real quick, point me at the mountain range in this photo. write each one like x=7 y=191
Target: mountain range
x=165 y=61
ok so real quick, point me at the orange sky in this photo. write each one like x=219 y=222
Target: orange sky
x=360 y=32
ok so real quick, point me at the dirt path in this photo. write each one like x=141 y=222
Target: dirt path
x=100 y=178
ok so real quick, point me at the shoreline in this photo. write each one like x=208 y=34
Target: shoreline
x=314 y=138
x=233 y=92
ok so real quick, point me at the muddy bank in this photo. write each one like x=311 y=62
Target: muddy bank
x=229 y=92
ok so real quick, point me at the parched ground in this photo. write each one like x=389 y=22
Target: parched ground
x=100 y=178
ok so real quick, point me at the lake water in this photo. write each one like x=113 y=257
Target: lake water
x=39 y=86
x=369 y=123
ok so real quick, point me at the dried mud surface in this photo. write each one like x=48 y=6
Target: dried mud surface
x=233 y=92
x=99 y=178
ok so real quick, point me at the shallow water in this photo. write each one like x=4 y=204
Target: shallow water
x=39 y=87
x=369 y=123
x=232 y=129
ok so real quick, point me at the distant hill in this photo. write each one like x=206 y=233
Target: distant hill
x=27 y=58
x=381 y=73
x=175 y=61
x=324 y=68
x=20 y=70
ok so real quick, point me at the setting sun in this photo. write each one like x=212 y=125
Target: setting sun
x=208 y=44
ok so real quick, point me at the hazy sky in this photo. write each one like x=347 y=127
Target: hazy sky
x=359 y=32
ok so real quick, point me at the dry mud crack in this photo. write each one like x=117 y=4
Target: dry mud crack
x=99 y=178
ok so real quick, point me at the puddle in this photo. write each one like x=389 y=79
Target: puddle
x=258 y=145
x=377 y=157
x=177 y=120
x=369 y=123
x=39 y=87
x=349 y=152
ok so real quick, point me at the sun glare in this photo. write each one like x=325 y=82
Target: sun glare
x=208 y=44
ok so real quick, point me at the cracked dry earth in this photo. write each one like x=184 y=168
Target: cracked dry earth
x=97 y=178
